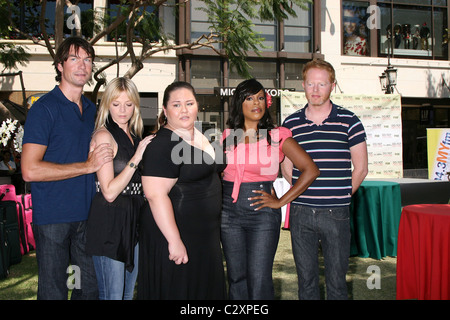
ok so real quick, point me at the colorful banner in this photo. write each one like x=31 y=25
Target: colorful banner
x=381 y=117
x=438 y=147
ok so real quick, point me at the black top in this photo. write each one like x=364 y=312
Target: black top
x=197 y=201
x=112 y=227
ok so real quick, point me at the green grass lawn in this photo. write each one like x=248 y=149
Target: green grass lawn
x=21 y=284
x=285 y=275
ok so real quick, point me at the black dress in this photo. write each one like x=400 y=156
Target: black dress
x=112 y=227
x=197 y=200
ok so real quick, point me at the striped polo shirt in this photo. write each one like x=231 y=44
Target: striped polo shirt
x=329 y=146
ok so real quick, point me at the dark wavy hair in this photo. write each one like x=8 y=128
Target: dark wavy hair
x=236 y=117
x=62 y=53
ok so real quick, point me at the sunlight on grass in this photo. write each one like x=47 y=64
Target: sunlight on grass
x=21 y=284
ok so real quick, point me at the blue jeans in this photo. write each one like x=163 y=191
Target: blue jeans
x=249 y=240
x=114 y=281
x=330 y=227
x=57 y=246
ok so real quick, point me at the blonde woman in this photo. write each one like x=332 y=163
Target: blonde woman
x=112 y=224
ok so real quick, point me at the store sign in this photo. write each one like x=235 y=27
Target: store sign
x=228 y=91
x=33 y=98
x=438 y=145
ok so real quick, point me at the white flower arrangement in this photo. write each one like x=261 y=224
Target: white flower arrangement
x=18 y=139
x=8 y=129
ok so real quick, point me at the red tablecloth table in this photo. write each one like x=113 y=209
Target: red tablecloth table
x=423 y=252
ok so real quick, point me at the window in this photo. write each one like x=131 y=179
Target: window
x=298 y=31
x=355 y=32
x=26 y=17
x=210 y=113
x=415 y=122
x=268 y=30
x=205 y=73
x=147 y=28
x=199 y=22
x=293 y=71
x=264 y=71
x=406 y=31
x=407 y=28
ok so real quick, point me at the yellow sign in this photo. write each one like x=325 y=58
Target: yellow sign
x=438 y=148
x=33 y=98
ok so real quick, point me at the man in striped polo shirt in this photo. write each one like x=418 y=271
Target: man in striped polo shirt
x=335 y=139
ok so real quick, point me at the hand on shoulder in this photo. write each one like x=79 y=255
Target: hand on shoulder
x=103 y=136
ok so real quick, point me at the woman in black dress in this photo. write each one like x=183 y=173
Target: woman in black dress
x=180 y=253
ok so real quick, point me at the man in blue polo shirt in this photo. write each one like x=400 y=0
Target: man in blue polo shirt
x=59 y=163
x=335 y=139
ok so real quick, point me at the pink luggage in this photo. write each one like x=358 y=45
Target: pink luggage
x=7 y=192
x=23 y=232
x=24 y=215
x=28 y=213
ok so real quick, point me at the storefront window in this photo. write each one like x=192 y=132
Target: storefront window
x=293 y=75
x=355 y=32
x=415 y=127
x=441 y=34
x=210 y=116
x=406 y=28
x=205 y=73
x=263 y=71
x=414 y=1
x=414 y=30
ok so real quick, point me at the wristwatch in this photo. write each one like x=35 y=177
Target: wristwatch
x=132 y=165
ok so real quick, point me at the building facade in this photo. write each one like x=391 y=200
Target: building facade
x=360 y=38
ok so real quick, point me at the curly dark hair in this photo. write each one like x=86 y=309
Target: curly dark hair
x=236 y=117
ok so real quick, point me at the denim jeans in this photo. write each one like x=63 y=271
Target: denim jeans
x=57 y=246
x=249 y=240
x=114 y=281
x=330 y=227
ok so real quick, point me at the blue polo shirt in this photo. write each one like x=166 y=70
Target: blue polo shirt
x=56 y=122
x=329 y=146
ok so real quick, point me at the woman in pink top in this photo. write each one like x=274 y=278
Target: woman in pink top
x=251 y=215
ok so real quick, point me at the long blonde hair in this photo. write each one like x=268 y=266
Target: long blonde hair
x=112 y=91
